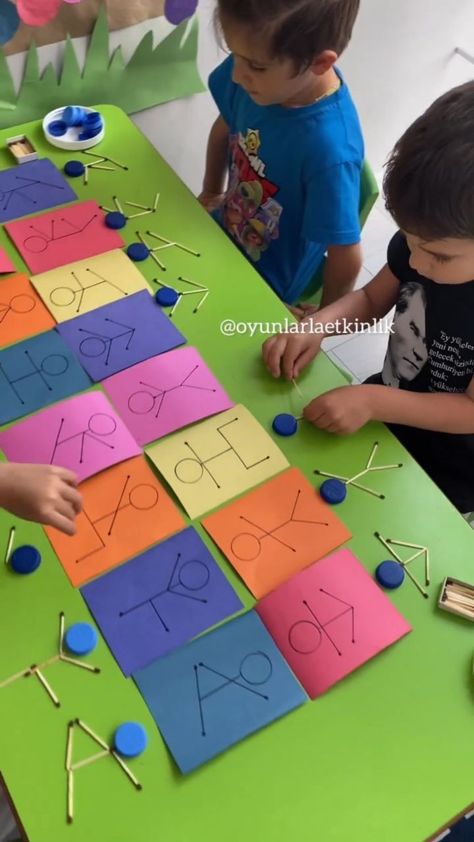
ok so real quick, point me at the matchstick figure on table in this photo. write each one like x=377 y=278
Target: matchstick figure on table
x=186 y=580
x=306 y=636
x=255 y=670
x=141 y=497
x=246 y=546
x=99 y=426
x=66 y=295
x=391 y=574
x=192 y=468
x=153 y=397
x=70 y=638
x=334 y=490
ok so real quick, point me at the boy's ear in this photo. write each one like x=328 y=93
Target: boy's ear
x=323 y=62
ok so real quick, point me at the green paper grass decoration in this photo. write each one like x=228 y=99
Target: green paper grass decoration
x=151 y=77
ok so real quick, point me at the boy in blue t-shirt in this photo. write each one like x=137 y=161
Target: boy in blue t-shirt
x=289 y=137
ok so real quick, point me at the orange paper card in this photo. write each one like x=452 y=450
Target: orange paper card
x=277 y=530
x=22 y=313
x=125 y=511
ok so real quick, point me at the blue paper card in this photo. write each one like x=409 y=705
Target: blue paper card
x=214 y=692
x=37 y=372
x=119 y=335
x=32 y=187
x=160 y=599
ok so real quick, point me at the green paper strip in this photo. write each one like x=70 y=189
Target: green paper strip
x=151 y=77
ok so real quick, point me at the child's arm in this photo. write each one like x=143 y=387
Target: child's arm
x=42 y=493
x=345 y=410
x=343 y=264
x=290 y=353
x=216 y=165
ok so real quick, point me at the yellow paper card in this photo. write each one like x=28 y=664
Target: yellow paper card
x=79 y=287
x=210 y=463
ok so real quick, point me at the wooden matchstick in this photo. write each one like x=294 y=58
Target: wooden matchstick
x=69 y=745
x=70 y=796
x=81 y=664
x=136 y=205
x=92 y=734
x=11 y=539
x=155 y=203
x=201 y=302
x=92 y=759
x=415 y=581
x=47 y=687
x=117 y=204
x=61 y=632
x=127 y=771
x=297 y=387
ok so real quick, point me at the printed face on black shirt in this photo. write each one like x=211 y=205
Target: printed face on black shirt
x=407 y=351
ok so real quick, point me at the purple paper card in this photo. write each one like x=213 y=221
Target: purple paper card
x=165 y=394
x=83 y=434
x=120 y=335
x=32 y=187
x=160 y=600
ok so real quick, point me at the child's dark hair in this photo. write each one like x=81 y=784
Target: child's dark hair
x=297 y=29
x=429 y=182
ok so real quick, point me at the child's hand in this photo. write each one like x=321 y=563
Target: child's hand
x=210 y=201
x=289 y=353
x=42 y=493
x=343 y=411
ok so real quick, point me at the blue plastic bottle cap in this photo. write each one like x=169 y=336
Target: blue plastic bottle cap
x=166 y=297
x=57 y=128
x=390 y=574
x=74 y=168
x=86 y=134
x=74 y=115
x=115 y=219
x=25 y=559
x=81 y=638
x=285 y=424
x=92 y=120
x=130 y=739
x=333 y=491
x=138 y=252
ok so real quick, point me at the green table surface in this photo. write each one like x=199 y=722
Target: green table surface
x=386 y=755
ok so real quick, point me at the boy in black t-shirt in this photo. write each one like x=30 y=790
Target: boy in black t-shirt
x=425 y=392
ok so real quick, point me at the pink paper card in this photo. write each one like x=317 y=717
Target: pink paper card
x=5 y=263
x=62 y=236
x=83 y=434
x=329 y=620
x=166 y=393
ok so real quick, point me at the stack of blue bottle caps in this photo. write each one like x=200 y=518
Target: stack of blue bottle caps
x=88 y=123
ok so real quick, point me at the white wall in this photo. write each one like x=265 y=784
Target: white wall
x=401 y=58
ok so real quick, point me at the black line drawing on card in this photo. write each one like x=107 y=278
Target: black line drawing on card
x=18 y=304
x=22 y=191
x=66 y=295
x=191 y=469
x=186 y=580
x=246 y=546
x=99 y=426
x=255 y=670
x=96 y=344
x=318 y=629
x=147 y=400
x=38 y=241
x=52 y=365
x=142 y=497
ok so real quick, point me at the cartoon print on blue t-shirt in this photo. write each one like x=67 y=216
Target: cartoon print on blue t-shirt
x=250 y=213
